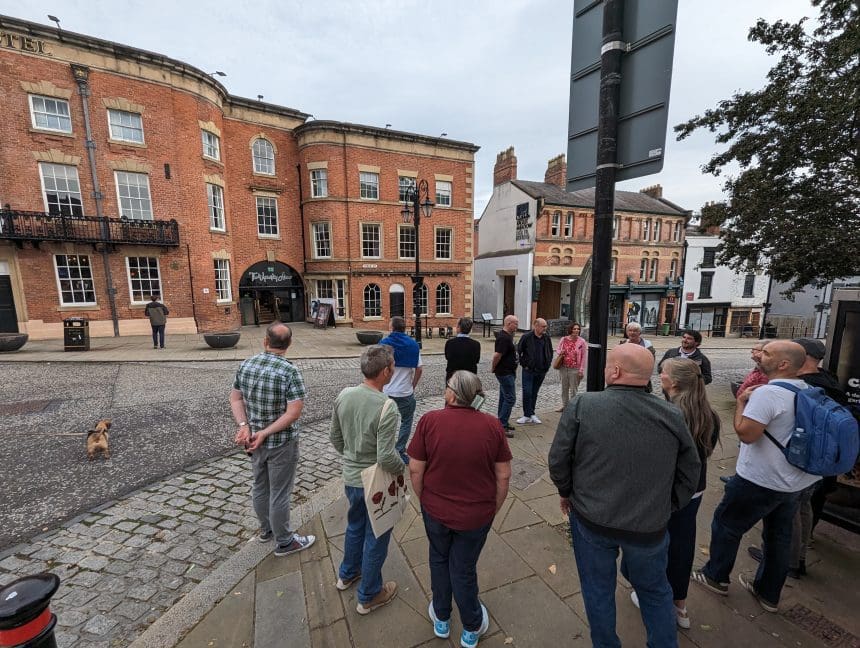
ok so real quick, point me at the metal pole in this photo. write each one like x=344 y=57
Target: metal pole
x=416 y=288
x=604 y=193
x=765 y=308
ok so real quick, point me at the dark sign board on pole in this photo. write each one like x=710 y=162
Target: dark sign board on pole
x=648 y=39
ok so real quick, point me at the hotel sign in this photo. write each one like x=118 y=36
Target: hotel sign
x=24 y=43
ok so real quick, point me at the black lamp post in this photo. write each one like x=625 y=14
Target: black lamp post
x=417 y=203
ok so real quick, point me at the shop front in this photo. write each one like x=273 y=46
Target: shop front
x=271 y=291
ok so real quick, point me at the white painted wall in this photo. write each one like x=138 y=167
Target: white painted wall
x=489 y=285
x=498 y=222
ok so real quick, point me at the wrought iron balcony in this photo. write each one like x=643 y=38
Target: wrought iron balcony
x=35 y=227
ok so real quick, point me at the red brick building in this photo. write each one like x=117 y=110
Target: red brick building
x=124 y=172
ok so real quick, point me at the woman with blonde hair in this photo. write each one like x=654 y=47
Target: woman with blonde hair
x=684 y=386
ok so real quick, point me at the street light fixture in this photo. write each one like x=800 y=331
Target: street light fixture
x=217 y=73
x=417 y=203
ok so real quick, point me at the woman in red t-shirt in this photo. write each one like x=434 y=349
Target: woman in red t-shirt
x=572 y=350
x=460 y=465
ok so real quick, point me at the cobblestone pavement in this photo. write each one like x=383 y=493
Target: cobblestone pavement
x=124 y=563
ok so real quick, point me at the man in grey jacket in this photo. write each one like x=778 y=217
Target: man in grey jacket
x=623 y=460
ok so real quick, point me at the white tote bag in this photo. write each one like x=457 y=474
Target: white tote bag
x=385 y=495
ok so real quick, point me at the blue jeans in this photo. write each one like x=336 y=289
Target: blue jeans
x=157 y=335
x=643 y=565
x=453 y=570
x=682 y=548
x=532 y=380
x=363 y=552
x=507 y=396
x=743 y=505
x=406 y=407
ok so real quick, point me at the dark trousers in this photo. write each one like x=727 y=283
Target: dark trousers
x=532 y=380
x=743 y=505
x=453 y=570
x=682 y=548
x=507 y=396
x=157 y=335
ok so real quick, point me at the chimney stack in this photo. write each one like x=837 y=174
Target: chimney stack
x=655 y=191
x=556 y=171
x=506 y=167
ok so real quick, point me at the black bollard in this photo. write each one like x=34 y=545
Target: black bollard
x=26 y=620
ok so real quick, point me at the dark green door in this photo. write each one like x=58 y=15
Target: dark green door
x=8 y=316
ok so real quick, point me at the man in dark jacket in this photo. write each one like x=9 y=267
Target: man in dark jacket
x=462 y=352
x=690 y=341
x=535 y=353
x=622 y=461
x=157 y=314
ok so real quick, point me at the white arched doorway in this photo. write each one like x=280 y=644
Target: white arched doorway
x=396 y=301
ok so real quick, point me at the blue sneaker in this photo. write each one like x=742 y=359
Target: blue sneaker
x=470 y=639
x=441 y=629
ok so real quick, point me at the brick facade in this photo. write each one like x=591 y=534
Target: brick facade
x=176 y=103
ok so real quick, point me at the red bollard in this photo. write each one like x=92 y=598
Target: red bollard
x=26 y=620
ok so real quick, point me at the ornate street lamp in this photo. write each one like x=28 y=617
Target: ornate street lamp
x=417 y=203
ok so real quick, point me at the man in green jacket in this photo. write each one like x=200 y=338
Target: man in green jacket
x=364 y=428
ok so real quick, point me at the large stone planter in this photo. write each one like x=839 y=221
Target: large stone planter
x=12 y=341
x=369 y=337
x=222 y=340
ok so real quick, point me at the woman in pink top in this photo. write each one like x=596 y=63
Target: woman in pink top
x=572 y=350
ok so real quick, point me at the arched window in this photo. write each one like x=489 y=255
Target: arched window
x=443 y=299
x=264 y=156
x=372 y=301
x=422 y=299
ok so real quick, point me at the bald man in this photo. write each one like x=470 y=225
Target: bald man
x=766 y=487
x=622 y=461
x=535 y=352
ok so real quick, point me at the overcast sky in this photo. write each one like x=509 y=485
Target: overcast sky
x=485 y=71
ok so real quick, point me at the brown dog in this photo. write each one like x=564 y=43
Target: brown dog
x=97 y=440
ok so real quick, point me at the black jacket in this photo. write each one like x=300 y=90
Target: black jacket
x=462 y=353
x=698 y=357
x=528 y=352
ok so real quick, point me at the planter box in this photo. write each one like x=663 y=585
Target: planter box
x=369 y=337
x=223 y=340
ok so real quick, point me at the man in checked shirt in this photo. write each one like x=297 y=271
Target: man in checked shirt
x=267 y=399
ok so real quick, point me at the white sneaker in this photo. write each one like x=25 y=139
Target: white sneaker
x=535 y=419
x=681 y=616
x=524 y=420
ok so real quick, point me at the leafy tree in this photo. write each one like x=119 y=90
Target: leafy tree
x=794 y=206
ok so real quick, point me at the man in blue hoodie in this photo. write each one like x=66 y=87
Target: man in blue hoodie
x=407 y=372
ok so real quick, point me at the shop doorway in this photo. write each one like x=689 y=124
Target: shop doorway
x=8 y=315
x=271 y=291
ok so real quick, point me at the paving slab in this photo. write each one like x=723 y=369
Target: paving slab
x=548 y=508
x=332 y=636
x=499 y=564
x=231 y=622
x=517 y=516
x=280 y=612
x=324 y=606
x=549 y=554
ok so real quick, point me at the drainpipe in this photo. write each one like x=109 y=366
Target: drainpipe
x=302 y=220
x=349 y=230
x=81 y=74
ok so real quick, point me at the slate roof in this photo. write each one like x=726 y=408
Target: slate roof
x=628 y=201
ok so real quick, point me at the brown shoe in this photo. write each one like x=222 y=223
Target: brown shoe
x=385 y=596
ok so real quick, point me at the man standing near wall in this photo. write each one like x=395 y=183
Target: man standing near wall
x=157 y=314
x=408 y=367
x=535 y=352
x=504 y=366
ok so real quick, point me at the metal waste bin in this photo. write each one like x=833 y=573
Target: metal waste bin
x=76 y=334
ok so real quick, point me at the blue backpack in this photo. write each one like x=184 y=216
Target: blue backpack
x=825 y=440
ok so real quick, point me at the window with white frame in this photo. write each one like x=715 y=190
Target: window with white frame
x=655 y=264
x=264 y=156
x=616 y=227
x=267 y=216
x=422 y=299
x=319 y=183
x=340 y=285
x=643 y=269
x=613 y=267
x=443 y=299
x=568 y=225
x=443 y=193
x=406 y=241
x=49 y=113
x=144 y=279
x=132 y=191
x=223 y=288
x=371 y=241
x=368 y=184
x=657 y=226
x=62 y=189
x=646 y=229
x=405 y=186
x=676 y=232
x=372 y=301
x=215 y=200
x=555 y=229
x=322 y=240
x=211 y=145
x=444 y=236
x=75 y=279
x=125 y=126
x=325 y=289
x=673 y=269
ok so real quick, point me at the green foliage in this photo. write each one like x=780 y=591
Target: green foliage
x=794 y=206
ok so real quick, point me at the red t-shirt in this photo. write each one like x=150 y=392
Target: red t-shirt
x=461 y=447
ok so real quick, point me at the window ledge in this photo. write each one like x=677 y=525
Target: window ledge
x=47 y=131
x=372 y=318
x=269 y=237
x=78 y=307
x=117 y=142
x=212 y=230
x=259 y=173
x=212 y=159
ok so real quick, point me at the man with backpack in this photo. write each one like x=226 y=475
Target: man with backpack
x=766 y=487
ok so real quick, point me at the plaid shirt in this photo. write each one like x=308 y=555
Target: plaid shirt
x=269 y=382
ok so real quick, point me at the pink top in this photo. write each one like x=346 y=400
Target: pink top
x=573 y=353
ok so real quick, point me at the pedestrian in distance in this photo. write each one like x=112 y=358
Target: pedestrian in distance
x=623 y=461
x=460 y=468
x=535 y=355
x=573 y=351
x=683 y=383
x=267 y=400
x=364 y=426
x=461 y=351
x=408 y=367
x=691 y=340
x=633 y=331
x=504 y=366
x=157 y=314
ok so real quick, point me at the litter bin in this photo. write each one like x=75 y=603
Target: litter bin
x=76 y=334
x=664 y=328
